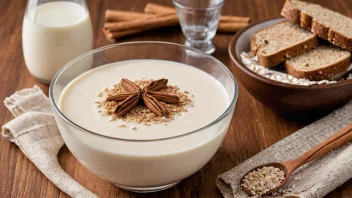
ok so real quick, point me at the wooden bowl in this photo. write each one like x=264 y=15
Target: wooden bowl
x=281 y=97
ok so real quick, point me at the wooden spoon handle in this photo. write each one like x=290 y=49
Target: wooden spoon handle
x=336 y=140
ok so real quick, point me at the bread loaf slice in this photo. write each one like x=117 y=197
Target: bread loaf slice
x=274 y=44
x=322 y=63
x=327 y=24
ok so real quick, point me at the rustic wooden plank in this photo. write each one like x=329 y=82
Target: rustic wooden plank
x=254 y=127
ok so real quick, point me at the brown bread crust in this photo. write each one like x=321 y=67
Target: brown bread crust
x=318 y=74
x=281 y=56
x=295 y=15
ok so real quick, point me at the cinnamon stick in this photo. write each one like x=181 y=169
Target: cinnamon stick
x=143 y=23
x=125 y=28
x=118 y=15
x=230 y=27
x=111 y=36
x=226 y=18
x=152 y=8
x=222 y=27
x=125 y=23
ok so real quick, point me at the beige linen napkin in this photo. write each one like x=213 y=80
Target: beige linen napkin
x=34 y=130
x=315 y=179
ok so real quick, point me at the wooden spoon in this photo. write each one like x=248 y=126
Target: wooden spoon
x=334 y=141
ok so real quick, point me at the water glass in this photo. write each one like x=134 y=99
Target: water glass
x=199 y=20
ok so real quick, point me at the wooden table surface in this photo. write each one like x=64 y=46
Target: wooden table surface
x=254 y=127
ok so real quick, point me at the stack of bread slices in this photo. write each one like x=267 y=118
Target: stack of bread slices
x=298 y=42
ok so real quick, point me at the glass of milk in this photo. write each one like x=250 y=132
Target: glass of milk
x=54 y=32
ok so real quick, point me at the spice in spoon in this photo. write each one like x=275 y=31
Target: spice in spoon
x=263 y=179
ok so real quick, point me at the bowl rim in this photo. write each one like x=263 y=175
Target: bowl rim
x=228 y=110
x=245 y=69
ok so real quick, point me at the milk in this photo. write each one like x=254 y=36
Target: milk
x=151 y=163
x=53 y=34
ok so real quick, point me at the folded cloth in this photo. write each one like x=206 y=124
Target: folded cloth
x=34 y=130
x=315 y=179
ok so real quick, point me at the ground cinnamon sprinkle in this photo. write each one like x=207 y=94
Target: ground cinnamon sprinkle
x=140 y=113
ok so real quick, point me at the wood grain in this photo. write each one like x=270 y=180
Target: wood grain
x=254 y=127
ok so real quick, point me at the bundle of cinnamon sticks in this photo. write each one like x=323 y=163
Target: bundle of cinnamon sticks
x=124 y=23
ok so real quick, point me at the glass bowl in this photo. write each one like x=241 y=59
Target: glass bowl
x=144 y=168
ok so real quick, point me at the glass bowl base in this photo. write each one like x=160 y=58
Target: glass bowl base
x=146 y=189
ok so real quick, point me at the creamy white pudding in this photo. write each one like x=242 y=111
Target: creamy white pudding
x=145 y=163
x=210 y=99
x=53 y=34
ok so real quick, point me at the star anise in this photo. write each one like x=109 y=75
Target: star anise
x=150 y=96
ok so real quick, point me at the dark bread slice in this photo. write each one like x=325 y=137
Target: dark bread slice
x=327 y=24
x=274 y=44
x=321 y=63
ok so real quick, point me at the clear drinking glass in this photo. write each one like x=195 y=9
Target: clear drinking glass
x=54 y=32
x=199 y=20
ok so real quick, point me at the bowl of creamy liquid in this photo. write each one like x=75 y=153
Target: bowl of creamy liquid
x=137 y=157
x=54 y=33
